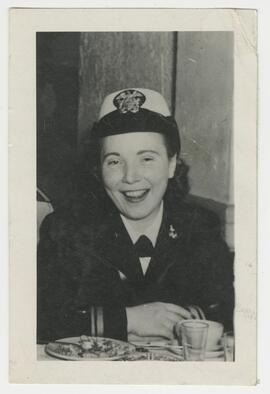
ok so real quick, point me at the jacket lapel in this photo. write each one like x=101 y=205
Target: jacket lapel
x=170 y=243
x=117 y=249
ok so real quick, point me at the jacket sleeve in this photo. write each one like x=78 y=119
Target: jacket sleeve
x=212 y=266
x=71 y=300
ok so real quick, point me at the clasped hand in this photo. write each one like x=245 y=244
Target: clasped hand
x=156 y=319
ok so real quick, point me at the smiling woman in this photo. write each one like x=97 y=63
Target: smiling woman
x=135 y=173
x=136 y=259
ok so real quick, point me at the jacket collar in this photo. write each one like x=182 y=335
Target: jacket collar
x=116 y=248
x=150 y=232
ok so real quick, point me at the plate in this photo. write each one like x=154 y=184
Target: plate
x=151 y=344
x=214 y=354
x=165 y=357
x=87 y=348
x=152 y=356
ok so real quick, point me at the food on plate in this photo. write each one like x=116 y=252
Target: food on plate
x=102 y=347
x=97 y=348
x=68 y=350
x=86 y=347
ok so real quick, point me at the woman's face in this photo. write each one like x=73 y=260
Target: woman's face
x=135 y=172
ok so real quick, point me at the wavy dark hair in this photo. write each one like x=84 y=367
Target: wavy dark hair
x=91 y=192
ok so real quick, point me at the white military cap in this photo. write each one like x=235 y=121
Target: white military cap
x=135 y=110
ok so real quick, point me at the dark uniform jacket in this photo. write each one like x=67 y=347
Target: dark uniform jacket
x=88 y=272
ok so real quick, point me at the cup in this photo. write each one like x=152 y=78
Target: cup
x=214 y=335
x=228 y=343
x=193 y=335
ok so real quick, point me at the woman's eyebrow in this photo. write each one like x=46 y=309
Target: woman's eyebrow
x=147 y=151
x=110 y=154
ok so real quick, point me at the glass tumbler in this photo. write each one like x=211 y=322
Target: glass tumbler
x=193 y=336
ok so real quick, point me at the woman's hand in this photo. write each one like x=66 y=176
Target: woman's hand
x=155 y=319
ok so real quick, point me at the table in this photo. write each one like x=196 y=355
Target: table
x=43 y=356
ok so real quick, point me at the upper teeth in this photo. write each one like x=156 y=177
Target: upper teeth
x=135 y=193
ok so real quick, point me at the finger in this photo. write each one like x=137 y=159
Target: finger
x=171 y=320
x=174 y=318
x=145 y=338
x=134 y=337
x=179 y=310
x=166 y=332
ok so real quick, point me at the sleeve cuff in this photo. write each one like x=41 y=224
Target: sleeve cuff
x=196 y=312
x=115 y=322
x=99 y=321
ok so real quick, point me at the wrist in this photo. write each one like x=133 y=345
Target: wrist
x=130 y=313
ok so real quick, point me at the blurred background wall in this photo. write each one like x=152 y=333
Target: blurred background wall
x=57 y=57
x=193 y=70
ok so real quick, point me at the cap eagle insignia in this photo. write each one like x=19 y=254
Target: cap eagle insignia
x=129 y=101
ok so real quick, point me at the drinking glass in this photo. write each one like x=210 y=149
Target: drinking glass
x=228 y=342
x=193 y=335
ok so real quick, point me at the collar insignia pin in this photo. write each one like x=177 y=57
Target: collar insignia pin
x=172 y=233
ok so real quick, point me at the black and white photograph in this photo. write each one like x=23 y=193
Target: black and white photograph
x=135 y=250
x=135 y=256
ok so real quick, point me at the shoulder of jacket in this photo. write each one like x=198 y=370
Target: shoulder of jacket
x=63 y=224
x=194 y=215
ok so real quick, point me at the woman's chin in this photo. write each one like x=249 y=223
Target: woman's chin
x=139 y=214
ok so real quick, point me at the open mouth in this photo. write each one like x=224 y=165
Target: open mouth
x=135 y=195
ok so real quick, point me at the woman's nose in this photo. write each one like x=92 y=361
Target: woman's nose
x=131 y=173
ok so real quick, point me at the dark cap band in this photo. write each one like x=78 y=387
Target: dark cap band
x=142 y=121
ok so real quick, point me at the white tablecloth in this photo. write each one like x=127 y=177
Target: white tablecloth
x=43 y=356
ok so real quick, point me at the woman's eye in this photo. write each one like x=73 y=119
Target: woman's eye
x=113 y=162
x=148 y=158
